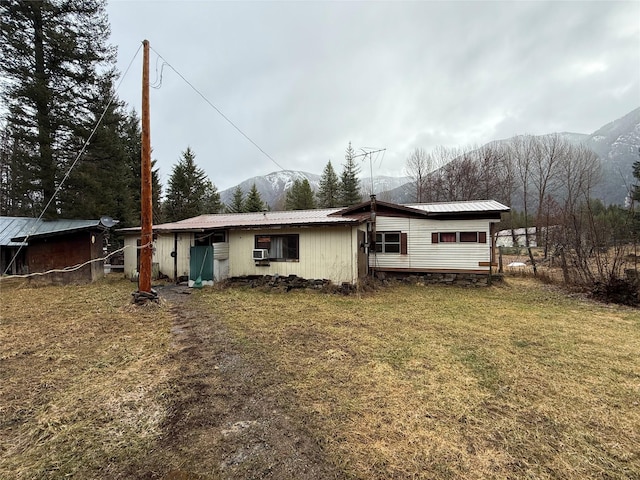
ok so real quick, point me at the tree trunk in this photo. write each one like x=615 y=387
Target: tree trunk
x=42 y=101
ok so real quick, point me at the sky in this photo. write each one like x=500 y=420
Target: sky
x=303 y=79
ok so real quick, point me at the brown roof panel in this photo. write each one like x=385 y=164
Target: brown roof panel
x=256 y=220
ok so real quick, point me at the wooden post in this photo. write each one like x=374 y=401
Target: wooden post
x=146 y=202
x=372 y=240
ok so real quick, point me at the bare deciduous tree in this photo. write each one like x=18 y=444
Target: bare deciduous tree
x=418 y=167
x=522 y=150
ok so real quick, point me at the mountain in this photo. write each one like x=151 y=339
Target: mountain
x=616 y=144
x=273 y=187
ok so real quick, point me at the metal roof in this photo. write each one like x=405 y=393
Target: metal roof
x=318 y=217
x=11 y=227
x=13 y=230
x=460 y=207
x=256 y=219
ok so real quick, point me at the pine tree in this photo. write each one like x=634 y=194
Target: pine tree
x=329 y=192
x=300 y=196
x=53 y=56
x=254 y=201
x=99 y=183
x=131 y=134
x=237 y=204
x=190 y=193
x=15 y=193
x=349 y=183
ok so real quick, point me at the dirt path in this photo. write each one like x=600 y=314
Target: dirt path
x=226 y=420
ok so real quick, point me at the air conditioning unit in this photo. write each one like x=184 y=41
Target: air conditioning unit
x=260 y=254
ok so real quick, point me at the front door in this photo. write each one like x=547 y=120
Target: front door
x=201 y=265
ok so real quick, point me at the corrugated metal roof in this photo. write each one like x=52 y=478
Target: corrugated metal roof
x=11 y=227
x=257 y=219
x=318 y=217
x=458 y=207
x=13 y=230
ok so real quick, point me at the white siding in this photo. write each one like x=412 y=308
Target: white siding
x=185 y=241
x=422 y=254
x=162 y=248
x=324 y=253
x=130 y=256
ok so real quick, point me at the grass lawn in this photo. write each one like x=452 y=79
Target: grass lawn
x=516 y=381
x=83 y=379
x=511 y=381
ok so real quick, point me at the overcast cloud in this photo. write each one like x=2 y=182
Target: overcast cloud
x=302 y=79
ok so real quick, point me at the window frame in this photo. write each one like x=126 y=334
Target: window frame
x=382 y=243
x=449 y=235
x=467 y=236
x=290 y=246
x=437 y=237
x=397 y=247
x=210 y=238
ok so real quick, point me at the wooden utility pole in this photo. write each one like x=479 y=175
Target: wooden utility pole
x=146 y=202
x=372 y=231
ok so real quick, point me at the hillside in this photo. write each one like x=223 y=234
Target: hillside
x=273 y=187
x=616 y=143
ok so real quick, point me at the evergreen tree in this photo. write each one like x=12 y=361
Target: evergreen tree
x=349 y=183
x=300 y=196
x=237 y=204
x=15 y=193
x=329 y=191
x=254 y=201
x=131 y=133
x=190 y=193
x=100 y=182
x=53 y=57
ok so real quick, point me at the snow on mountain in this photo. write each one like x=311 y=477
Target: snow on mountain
x=616 y=143
x=273 y=187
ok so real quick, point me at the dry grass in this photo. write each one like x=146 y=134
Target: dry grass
x=516 y=381
x=513 y=381
x=83 y=380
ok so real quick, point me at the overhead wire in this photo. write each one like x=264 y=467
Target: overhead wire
x=157 y=83
x=74 y=267
x=73 y=164
x=220 y=112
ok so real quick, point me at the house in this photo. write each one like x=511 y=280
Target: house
x=517 y=237
x=32 y=246
x=335 y=244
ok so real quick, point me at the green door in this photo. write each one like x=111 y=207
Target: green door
x=201 y=263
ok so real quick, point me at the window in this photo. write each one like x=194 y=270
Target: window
x=388 y=242
x=282 y=248
x=459 y=237
x=448 y=237
x=206 y=239
x=391 y=242
x=468 y=237
x=219 y=236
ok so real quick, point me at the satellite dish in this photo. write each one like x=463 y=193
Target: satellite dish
x=108 y=221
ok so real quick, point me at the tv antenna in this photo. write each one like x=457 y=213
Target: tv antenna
x=370 y=153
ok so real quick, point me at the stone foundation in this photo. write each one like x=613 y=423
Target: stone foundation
x=461 y=279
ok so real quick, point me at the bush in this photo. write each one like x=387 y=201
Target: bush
x=617 y=290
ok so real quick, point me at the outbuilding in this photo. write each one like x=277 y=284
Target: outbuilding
x=70 y=251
